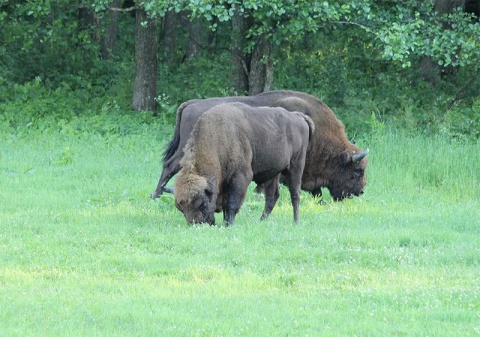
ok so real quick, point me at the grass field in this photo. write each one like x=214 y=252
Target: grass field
x=84 y=252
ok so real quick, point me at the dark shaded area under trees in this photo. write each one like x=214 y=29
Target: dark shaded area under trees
x=414 y=64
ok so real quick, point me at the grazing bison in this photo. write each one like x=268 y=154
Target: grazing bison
x=233 y=144
x=332 y=161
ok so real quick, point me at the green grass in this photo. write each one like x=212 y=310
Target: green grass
x=84 y=252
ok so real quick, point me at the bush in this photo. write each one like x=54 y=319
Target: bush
x=32 y=108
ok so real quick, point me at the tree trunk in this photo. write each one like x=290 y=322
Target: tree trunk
x=194 y=39
x=430 y=70
x=240 y=58
x=261 y=67
x=145 y=85
x=108 y=41
x=473 y=6
x=447 y=6
x=169 y=34
x=87 y=22
x=253 y=72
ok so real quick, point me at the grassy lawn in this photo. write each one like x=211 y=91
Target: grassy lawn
x=84 y=252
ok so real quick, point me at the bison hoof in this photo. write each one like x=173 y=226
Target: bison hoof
x=155 y=195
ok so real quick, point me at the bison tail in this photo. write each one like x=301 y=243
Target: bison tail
x=311 y=126
x=172 y=147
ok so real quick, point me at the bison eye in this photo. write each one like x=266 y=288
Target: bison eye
x=358 y=173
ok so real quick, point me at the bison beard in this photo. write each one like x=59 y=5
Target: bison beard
x=332 y=161
x=234 y=144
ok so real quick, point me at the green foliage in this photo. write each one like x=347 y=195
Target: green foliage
x=425 y=34
x=402 y=30
x=199 y=78
x=356 y=82
x=31 y=108
x=274 y=19
x=361 y=58
x=53 y=42
x=39 y=35
x=462 y=122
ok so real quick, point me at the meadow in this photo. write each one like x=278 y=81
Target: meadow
x=85 y=252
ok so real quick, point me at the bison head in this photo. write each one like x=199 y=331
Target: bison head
x=194 y=197
x=349 y=178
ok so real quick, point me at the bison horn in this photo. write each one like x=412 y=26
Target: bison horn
x=359 y=156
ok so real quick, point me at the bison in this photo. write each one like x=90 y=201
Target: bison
x=234 y=144
x=332 y=161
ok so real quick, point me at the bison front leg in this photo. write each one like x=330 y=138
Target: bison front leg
x=272 y=192
x=235 y=197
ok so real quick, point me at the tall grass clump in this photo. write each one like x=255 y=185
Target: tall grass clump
x=438 y=164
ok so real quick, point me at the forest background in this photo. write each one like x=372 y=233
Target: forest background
x=409 y=64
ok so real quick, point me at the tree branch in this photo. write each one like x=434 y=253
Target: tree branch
x=124 y=10
x=356 y=24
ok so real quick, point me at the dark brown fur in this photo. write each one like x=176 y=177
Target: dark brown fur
x=329 y=158
x=234 y=144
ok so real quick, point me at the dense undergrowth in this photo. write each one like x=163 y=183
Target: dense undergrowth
x=393 y=98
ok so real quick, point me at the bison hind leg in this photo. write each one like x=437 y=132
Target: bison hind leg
x=294 y=180
x=170 y=168
x=271 y=190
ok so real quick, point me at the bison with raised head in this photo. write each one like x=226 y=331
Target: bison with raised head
x=332 y=161
x=234 y=144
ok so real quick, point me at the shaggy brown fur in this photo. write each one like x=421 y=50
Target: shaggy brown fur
x=332 y=161
x=234 y=144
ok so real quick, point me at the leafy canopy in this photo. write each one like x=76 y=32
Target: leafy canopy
x=401 y=29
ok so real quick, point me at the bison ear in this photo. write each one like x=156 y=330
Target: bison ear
x=345 y=158
x=209 y=193
x=211 y=182
x=209 y=190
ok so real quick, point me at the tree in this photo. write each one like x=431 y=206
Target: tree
x=145 y=84
x=401 y=30
x=109 y=33
x=260 y=76
x=253 y=69
x=51 y=41
x=169 y=33
x=240 y=62
x=195 y=40
x=423 y=32
x=257 y=26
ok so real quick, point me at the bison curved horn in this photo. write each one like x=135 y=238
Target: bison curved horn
x=359 y=156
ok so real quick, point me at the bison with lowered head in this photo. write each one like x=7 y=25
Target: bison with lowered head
x=234 y=144
x=332 y=161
